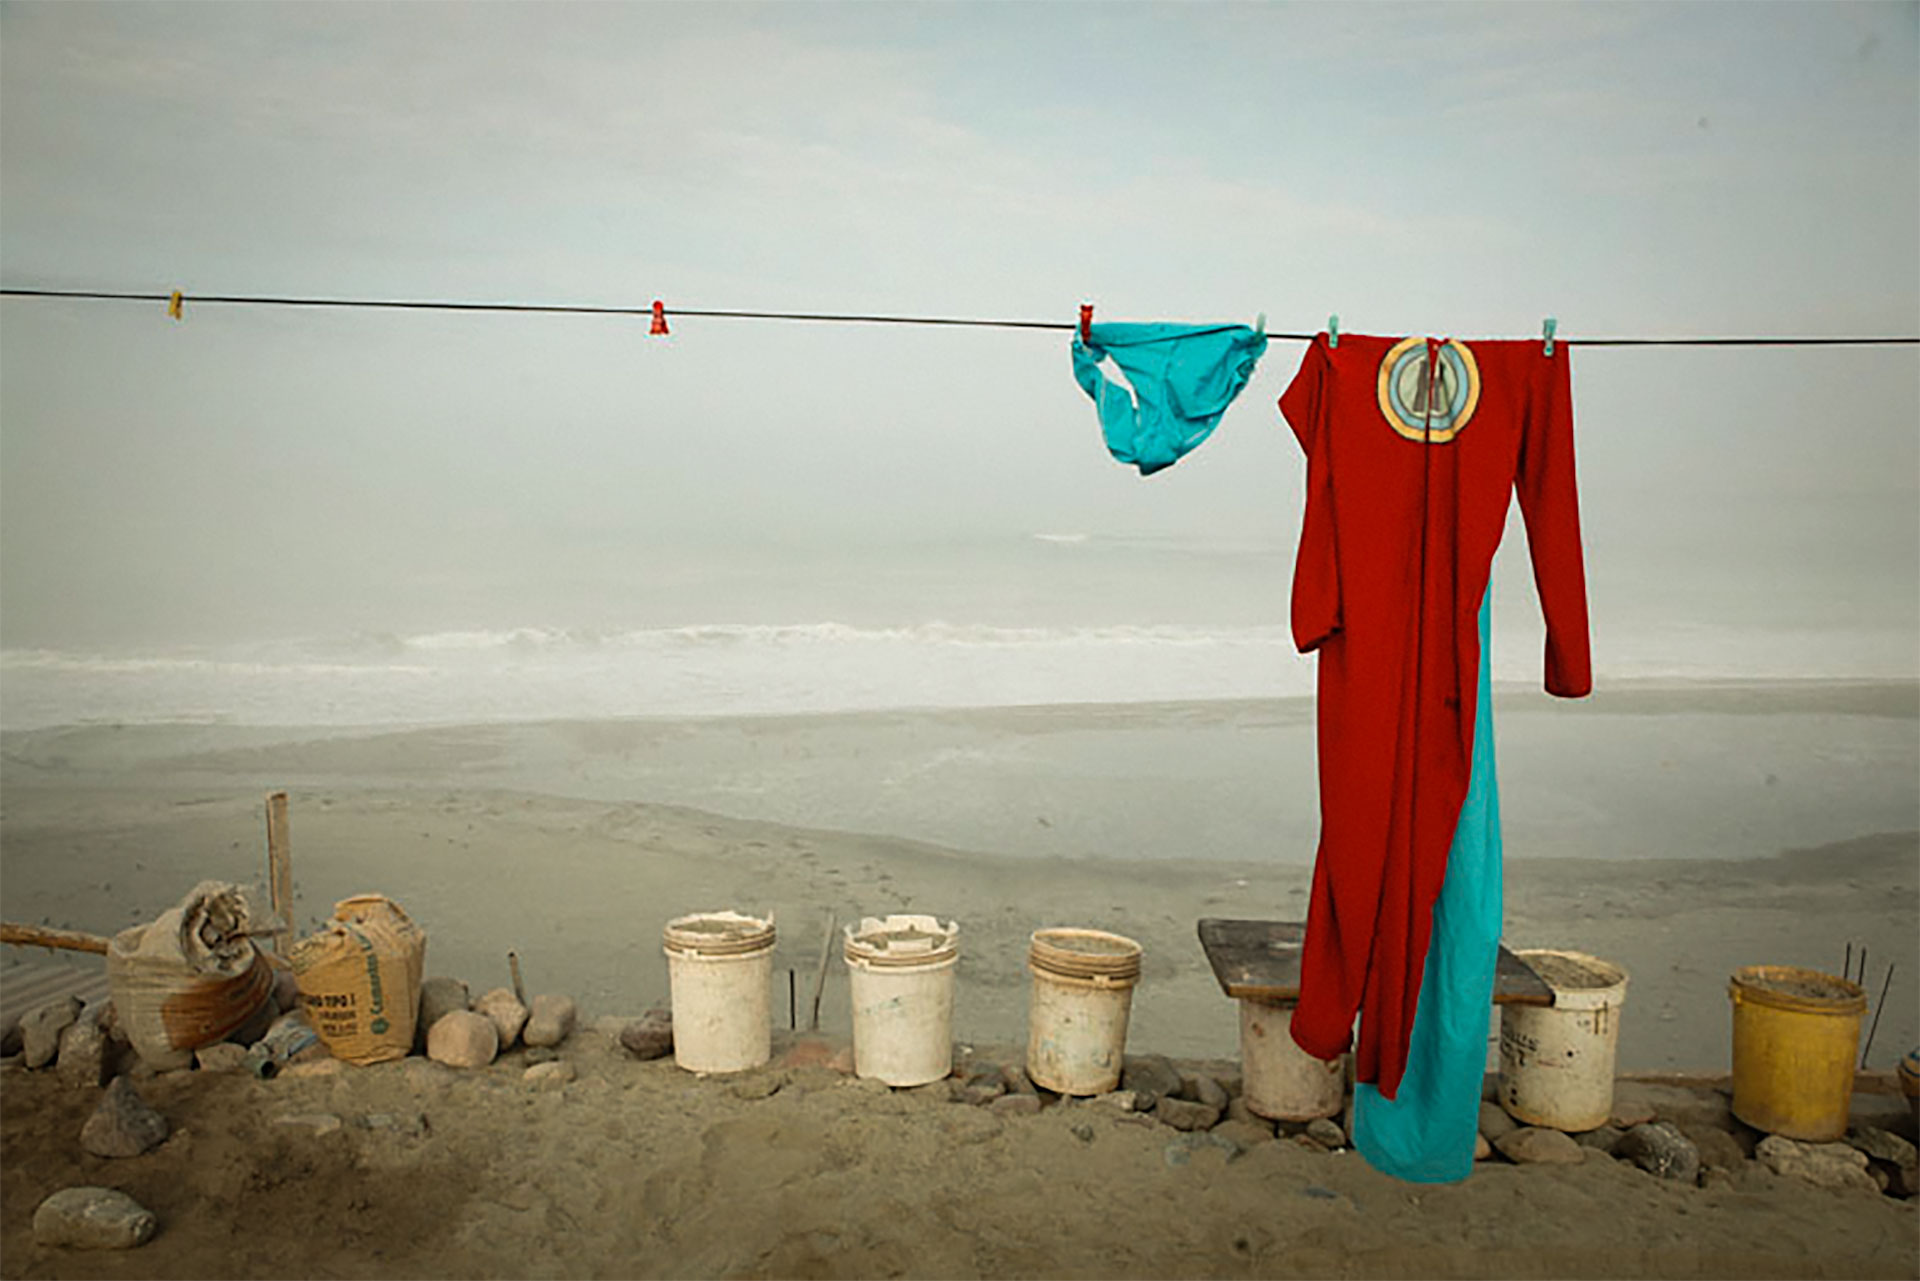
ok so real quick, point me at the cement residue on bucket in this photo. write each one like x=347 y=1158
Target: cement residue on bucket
x=1565 y=973
x=1807 y=985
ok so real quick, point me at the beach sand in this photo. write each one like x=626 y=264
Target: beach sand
x=1678 y=832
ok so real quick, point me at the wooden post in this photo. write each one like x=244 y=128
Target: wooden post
x=513 y=967
x=42 y=936
x=280 y=872
x=820 y=975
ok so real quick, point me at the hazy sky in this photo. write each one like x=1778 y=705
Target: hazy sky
x=1437 y=168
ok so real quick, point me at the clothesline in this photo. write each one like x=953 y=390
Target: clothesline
x=659 y=310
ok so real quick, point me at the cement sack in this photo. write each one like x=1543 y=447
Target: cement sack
x=360 y=979
x=189 y=978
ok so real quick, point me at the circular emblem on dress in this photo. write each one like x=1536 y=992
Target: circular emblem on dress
x=1424 y=402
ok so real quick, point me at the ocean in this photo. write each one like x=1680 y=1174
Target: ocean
x=1052 y=618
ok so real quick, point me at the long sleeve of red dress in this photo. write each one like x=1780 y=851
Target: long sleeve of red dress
x=1413 y=450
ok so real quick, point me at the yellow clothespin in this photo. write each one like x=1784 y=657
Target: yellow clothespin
x=173 y=305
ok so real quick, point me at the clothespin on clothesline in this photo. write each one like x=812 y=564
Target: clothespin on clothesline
x=173 y=305
x=1547 y=327
x=659 y=325
x=1333 y=331
x=1086 y=323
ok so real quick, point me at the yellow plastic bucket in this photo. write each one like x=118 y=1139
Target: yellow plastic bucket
x=1796 y=1038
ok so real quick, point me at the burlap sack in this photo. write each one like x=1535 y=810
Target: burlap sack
x=189 y=978
x=360 y=979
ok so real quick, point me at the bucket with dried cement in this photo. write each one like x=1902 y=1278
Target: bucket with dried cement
x=1282 y=1081
x=1557 y=1061
x=720 y=970
x=900 y=969
x=1083 y=984
x=1796 y=1038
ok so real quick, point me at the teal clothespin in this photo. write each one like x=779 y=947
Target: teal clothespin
x=1547 y=327
x=1333 y=331
x=1260 y=325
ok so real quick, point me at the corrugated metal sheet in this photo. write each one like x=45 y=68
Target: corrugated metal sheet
x=26 y=986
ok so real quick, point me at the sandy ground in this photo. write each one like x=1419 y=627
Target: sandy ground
x=573 y=844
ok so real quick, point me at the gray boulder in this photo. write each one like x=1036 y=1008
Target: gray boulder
x=1660 y=1149
x=550 y=1020
x=650 y=1036
x=92 y=1219
x=439 y=997
x=40 y=1030
x=122 y=1124
x=1825 y=1165
x=1535 y=1145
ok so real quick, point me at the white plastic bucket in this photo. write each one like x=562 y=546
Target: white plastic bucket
x=1083 y=984
x=900 y=969
x=1556 y=1062
x=1279 y=1080
x=720 y=968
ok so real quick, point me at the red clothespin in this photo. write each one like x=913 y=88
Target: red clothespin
x=1086 y=323
x=659 y=325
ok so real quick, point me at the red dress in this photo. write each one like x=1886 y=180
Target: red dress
x=1413 y=446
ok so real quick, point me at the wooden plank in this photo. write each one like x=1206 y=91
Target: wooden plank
x=1260 y=961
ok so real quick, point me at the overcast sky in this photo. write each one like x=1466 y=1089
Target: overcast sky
x=1437 y=168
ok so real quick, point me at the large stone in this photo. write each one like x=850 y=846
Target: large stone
x=1326 y=1132
x=11 y=1040
x=40 y=1030
x=1659 y=1148
x=439 y=997
x=1718 y=1149
x=549 y=1076
x=650 y=1036
x=1152 y=1074
x=551 y=1019
x=1237 y=1110
x=503 y=1009
x=1202 y=1088
x=1605 y=1139
x=122 y=1124
x=1495 y=1123
x=84 y=1057
x=1826 y=1165
x=1244 y=1133
x=1123 y=1101
x=1535 y=1145
x=464 y=1039
x=92 y=1219
x=1184 y=1114
x=1888 y=1154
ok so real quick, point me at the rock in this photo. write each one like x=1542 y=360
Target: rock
x=1202 y=1088
x=1632 y=1105
x=1887 y=1154
x=440 y=996
x=503 y=1009
x=122 y=1124
x=224 y=1057
x=317 y=1124
x=549 y=1076
x=758 y=1085
x=1495 y=1123
x=1481 y=1148
x=981 y=1072
x=1018 y=1082
x=541 y=1054
x=1536 y=1145
x=92 y=1219
x=981 y=1094
x=1717 y=1148
x=1826 y=1165
x=315 y=1067
x=1659 y=1148
x=40 y=1030
x=11 y=1040
x=83 y=1050
x=1713 y=1176
x=1605 y=1139
x=1150 y=1073
x=1015 y=1105
x=1122 y=1101
x=1184 y=1114
x=1245 y=1134
x=650 y=1036
x=1082 y=1131
x=550 y=1021
x=464 y=1039
x=1324 y=1131
x=1237 y=1110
